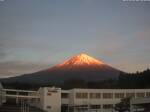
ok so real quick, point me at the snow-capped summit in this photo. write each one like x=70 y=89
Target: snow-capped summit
x=81 y=60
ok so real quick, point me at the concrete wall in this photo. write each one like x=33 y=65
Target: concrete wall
x=50 y=99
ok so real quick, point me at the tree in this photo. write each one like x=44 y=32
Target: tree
x=123 y=106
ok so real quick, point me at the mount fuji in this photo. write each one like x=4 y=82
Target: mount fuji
x=80 y=66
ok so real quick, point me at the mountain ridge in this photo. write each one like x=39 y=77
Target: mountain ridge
x=79 y=66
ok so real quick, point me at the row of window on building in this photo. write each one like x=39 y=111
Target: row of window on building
x=110 y=95
x=104 y=106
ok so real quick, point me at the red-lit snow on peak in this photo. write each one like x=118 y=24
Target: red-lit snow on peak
x=81 y=60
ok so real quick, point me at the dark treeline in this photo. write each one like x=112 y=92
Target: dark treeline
x=124 y=81
x=134 y=80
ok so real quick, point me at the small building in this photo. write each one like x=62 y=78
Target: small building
x=140 y=104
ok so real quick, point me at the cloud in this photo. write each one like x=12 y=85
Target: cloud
x=13 y=68
x=135 y=55
x=87 y=2
x=108 y=42
x=143 y=37
x=2 y=54
x=2 y=51
x=131 y=65
x=27 y=49
x=140 y=41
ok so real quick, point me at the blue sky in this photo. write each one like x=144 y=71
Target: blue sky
x=37 y=34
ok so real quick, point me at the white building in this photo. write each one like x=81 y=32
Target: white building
x=80 y=100
x=98 y=100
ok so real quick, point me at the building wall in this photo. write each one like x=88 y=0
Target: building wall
x=105 y=98
x=93 y=100
x=2 y=97
x=50 y=99
x=79 y=100
x=138 y=104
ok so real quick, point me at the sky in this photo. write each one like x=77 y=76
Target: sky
x=38 y=34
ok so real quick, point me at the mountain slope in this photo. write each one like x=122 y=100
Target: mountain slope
x=81 y=66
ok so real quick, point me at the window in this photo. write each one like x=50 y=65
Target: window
x=107 y=95
x=49 y=107
x=81 y=95
x=11 y=92
x=130 y=94
x=81 y=108
x=95 y=106
x=119 y=95
x=95 y=95
x=140 y=95
x=147 y=94
x=49 y=94
x=108 y=106
x=64 y=95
